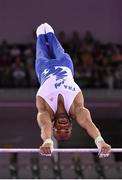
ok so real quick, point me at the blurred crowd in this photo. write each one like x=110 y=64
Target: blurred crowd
x=96 y=64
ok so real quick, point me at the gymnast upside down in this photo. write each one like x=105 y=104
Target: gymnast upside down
x=59 y=99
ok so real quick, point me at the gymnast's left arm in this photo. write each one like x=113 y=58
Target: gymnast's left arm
x=83 y=117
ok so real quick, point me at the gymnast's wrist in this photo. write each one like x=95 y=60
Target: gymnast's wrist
x=98 y=139
x=49 y=140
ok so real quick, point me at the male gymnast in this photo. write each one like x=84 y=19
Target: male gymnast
x=59 y=99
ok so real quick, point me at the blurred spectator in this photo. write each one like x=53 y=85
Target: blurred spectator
x=110 y=80
x=62 y=36
x=87 y=58
x=118 y=77
x=88 y=38
x=19 y=73
x=88 y=42
x=28 y=51
x=15 y=51
x=117 y=56
x=5 y=72
x=4 y=48
x=32 y=76
x=75 y=42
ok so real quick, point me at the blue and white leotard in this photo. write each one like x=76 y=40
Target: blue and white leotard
x=54 y=69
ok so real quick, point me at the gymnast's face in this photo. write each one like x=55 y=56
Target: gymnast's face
x=62 y=127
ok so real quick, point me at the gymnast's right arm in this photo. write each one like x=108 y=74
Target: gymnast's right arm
x=45 y=124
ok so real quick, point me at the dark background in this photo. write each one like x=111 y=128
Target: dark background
x=18 y=20
x=98 y=70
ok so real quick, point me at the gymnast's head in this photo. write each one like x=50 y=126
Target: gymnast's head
x=62 y=127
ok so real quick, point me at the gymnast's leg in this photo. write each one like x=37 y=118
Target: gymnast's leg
x=56 y=49
x=54 y=45
x=41 y=44
x=42 y=52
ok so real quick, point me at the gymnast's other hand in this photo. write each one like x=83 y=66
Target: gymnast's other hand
x=104 y=149
x=46 y=148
